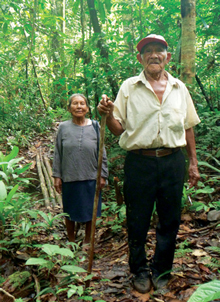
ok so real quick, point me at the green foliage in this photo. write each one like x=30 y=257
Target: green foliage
x=190 y=194
x=215 y=205
x=11 y=201
x=10 y=168
x=206 y=292
x=183 y=250
x=22 y=233
x=48 y=217
x=118 y=214
x=208 y=130
x=213 y=262
x=62 y=259
x=49 y=259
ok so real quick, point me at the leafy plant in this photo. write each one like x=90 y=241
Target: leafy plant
x=215 y=205
x=62 y=259
x=190 y=194
x=49 y=258
x=206 y=292
x=11 y=201
x=48 y=217
x=118 y=214
x=10 y=168
x=22 y=233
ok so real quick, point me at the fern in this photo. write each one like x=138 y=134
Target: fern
x=214 y=249
x=182 y=252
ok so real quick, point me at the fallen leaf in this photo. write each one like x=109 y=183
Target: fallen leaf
x=204 y=268
x=199 y=253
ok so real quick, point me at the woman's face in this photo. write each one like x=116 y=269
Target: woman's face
x=78 y=107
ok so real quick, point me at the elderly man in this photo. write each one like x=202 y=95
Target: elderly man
x=154 y=114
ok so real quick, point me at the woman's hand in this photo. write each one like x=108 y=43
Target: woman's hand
x=58 y=184
x=102 y=183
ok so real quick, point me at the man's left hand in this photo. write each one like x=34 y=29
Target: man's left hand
x=193 y=175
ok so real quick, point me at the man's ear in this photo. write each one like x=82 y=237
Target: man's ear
x=139 y=58
x=168 y=57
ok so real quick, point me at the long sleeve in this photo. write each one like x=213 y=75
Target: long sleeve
x=57 y=155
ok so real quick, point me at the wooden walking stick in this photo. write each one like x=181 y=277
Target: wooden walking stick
x=96 y=198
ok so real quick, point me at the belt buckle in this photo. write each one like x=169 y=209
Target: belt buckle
x=158 y=152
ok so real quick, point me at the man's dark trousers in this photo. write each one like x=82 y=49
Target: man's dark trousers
x=149 y=179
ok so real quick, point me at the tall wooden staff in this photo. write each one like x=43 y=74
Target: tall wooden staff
x=96 y=198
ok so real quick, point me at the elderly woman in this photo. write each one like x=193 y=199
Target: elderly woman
x=75 y=166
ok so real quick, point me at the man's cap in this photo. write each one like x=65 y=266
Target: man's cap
x=149 y=39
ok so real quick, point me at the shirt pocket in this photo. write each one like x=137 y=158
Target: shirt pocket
x=174 y=118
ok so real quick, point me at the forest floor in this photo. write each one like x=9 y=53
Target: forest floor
x=195 y=263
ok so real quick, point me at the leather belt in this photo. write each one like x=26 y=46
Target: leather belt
x=155 y=152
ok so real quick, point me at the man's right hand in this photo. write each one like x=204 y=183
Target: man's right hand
x=105 y=106
x=58 y=184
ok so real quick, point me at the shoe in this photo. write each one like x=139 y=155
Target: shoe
x=142 y=282
x=159 y=282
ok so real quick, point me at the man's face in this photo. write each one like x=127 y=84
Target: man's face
x=154 y=57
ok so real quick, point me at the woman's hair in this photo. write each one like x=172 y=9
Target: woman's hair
x=75 y=95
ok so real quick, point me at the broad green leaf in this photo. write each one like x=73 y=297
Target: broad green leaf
x=65 y=252
x=2 y=157
x=88 y=277
x=73 y=269
x=36 y=261
x=71 y=292
x=33 y=213
x=206 y=292
x=51 y=249
x=23 y=169
x=44 y=215
x=14 y=161
x=58 y=216
x=206 y=190
x=61 y=290
x=13 y=154
x=203 y=163
x=45 y=291
x=87 y=298
x=12 y=192
x=4 y=176
x=24 y=180
x=3 y=191
x=80 y=290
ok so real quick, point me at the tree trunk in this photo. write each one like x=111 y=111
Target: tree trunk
x=103 y=49
x=188 y=40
